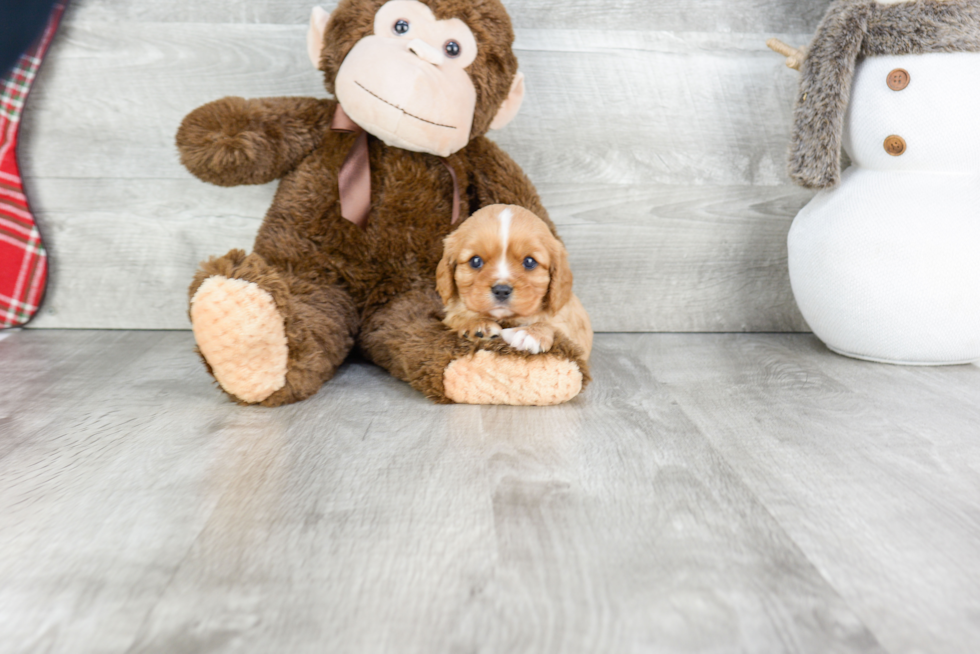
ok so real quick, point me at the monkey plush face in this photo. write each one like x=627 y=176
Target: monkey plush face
x=417 y=76
x=407 y=82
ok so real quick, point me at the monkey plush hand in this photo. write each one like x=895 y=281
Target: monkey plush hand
x=372 y=183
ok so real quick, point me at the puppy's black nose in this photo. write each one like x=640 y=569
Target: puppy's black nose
x=502 y=292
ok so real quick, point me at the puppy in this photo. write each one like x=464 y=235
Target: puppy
x=504 y=265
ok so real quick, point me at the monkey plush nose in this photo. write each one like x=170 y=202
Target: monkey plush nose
x=502 y=292
x=426 y=52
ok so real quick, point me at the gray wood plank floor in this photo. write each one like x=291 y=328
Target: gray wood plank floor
x=708 y=493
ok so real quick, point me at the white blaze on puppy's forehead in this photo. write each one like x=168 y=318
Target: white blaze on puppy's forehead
x=505 y=217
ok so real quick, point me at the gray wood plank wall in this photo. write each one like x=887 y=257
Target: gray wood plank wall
x=655 y=131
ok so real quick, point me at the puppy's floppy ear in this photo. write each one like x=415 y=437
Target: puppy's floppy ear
x=560 y=286
x=446 y=272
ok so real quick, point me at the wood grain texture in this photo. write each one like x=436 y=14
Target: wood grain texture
x=149 y=514
x=667 y=108
x=676 y=15
x=667 y=182
x=646 y=257
x=680 y=259
x=123 y=254
x=872 y=470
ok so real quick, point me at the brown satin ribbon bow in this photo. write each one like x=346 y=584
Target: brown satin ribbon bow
x=354 y=178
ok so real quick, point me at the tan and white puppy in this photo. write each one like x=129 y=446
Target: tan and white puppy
x=504 y=265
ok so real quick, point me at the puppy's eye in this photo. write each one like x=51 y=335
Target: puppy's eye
x=476 y=263
x=400 y=27
x=529 y=263
x=452 y=49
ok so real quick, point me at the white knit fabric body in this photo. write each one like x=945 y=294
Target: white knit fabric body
x=887 y=266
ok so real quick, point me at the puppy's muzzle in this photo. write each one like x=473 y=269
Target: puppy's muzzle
x=502 y=292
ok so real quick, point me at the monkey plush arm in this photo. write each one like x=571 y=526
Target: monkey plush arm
x=236 y=141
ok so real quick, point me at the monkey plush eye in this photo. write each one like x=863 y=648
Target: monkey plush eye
x=401 y=27
x=476 y=263
x=529 y=263
x=453 y=49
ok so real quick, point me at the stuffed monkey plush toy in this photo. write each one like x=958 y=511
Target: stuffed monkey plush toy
x=884 y=261
x=372 y=183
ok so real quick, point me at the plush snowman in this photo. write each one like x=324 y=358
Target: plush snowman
x=885 y=261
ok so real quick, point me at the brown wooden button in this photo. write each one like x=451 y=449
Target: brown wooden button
x=898 y=79
x=895 y=145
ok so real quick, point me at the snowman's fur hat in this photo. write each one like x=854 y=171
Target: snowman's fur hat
x=862 y=28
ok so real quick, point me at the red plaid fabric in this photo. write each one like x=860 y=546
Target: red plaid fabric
x=23 y=260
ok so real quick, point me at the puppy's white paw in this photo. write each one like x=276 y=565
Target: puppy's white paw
x=520 y=339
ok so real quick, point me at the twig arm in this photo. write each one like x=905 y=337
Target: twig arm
x=794 y=56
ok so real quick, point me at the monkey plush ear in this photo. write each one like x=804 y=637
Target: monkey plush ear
x=314 y=37
x=511 y=105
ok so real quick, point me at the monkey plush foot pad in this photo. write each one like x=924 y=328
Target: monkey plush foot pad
x=242 y=336
x=490 y=378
